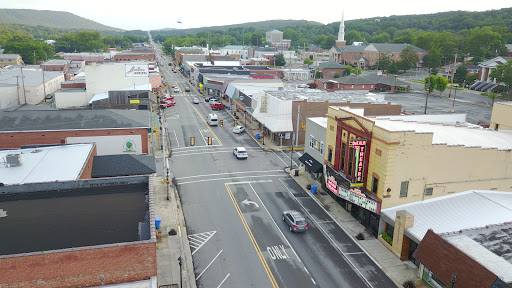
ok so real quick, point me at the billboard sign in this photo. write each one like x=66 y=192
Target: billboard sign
x=136 y=70
x=359 y=146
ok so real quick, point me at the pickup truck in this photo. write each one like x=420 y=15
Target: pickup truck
x=218 y=106
x=167 y=99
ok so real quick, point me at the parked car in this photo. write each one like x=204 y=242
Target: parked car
x=167 y=104
x=295 y=220
x=167 y=98
x=174 y=86
x=207 y=99
x=176 y=90
x=195 y=100
x=214 y=101
x=48 y=97
x=218 y=106
x=187 y=89
x=238 y=129
x=240 y=153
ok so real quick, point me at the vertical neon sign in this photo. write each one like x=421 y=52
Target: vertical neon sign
x=359 y=146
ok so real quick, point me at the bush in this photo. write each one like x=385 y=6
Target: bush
x=172 y=232
x=308 y=186
x=386 y=238
x=409 y=284
x=360 y=236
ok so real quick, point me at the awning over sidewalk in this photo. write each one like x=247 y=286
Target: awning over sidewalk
x=310 y=162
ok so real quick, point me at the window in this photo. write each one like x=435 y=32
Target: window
x=311 y=141
x=329 y=156
x=375 y=184
x=363 y=85
x=352 y=85
x=350 y=161
x=343 y=151
x=322 y=147
x=429 y=191
x=404 y=187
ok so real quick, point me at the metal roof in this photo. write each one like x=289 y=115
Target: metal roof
x=331 y=65
x=9 y=56
x=122 y=165
x=51 y=120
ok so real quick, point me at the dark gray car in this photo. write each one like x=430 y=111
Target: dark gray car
x=295 y=220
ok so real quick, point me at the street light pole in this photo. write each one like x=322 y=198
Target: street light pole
x=428 y=92
x=180 y=262
x=454 y=278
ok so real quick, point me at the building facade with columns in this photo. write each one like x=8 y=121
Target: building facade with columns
x=378 y=162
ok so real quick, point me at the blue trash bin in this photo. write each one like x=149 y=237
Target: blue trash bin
x=229 y=107
x=257 y=135
x=157 y=222
x=313 y=189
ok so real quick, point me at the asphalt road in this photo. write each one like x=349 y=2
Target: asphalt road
x=233 y=211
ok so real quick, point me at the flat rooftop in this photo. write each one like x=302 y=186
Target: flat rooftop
x=50 y=220
x=314 y=95
x=45 y=164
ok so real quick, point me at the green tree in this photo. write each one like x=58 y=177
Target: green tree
x=460 y=74
x=381 y=38
x=353 y=36
x=308 y=61
x=483 y=42
x=393 y=67
x=440 y=84
x=318 y=75
x=279 y=60
x=408 y=58
x=429 y=86
x=337 y=75
x=384 y=62
x=503 y=74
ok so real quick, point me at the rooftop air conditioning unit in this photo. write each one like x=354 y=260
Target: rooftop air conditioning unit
x=13 y=160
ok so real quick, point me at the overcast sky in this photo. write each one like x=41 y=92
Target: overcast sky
x=133 y=15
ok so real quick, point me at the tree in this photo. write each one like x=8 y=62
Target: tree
x=308 y=61
x=384 y=62
x=430 y=85
x=483 y=42
x=353 y=36
x=493 y=96
x=409 y=58
x=440 y=83
x=393 y=67
x=503 y=74
x=318 y=75
x=337 y=75
x=279 y=60
x=461 y=73
x=381 y=38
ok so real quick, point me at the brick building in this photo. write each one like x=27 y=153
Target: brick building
x=127 y=57
x=331 y=70
x=56 y=65
x=113 y=131
x=84 y=249
x=366 y=82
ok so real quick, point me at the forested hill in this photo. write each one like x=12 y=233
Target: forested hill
x=53 y=19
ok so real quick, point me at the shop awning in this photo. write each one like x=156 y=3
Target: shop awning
x=310 y=162
x=240 y=105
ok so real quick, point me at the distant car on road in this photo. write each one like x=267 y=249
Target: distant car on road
x=176 y=90
x=295 y=220
x=240 y=153
x=174 y=86
x=195 y=100
x=218 y=106
x=238 y=129
x=207 y=99
x=187 y=89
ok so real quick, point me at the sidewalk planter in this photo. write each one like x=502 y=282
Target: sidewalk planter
x=386 y=244
x=172 y=232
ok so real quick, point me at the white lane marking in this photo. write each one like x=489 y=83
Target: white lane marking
x=199 y=238
x=282 y=234
x=223 y=280
x=247 y=202
x=227 y=173
x=286 y=165
x=355 y=253
x=247 y=182
x=286 y=154
x=176 y=136
x=207 y=152
x=217 y=179
x=195 y=122
x=218 y=147
x=209 y=265
x=197 y=147
x=326 y=235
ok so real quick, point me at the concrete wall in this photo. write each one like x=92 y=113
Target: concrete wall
x=8 y=96
x=319 y=133
x=36 y=94
x=14 y=140
x=500 y=118
x=78 y=98
x=106 y=77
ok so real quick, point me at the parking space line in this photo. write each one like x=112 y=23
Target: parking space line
x=224 y=280
x=209 y=128
x=209 y=265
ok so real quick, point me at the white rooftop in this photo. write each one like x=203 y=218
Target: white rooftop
x=321 y=121
x=45 y=164
x=104 y=95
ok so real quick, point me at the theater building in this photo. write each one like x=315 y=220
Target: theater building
x=378 y=162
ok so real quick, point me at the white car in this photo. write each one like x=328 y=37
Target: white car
x=176 y=90
x=238 y=129
x=240 y=153
x=195 y=100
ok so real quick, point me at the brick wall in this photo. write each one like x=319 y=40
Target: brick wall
x=81 y=267
x=72 y=84
x=14 y=140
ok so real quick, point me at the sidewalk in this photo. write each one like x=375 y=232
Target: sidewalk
x=170 y=247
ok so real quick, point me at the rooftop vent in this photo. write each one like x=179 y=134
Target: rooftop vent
x=13 y=160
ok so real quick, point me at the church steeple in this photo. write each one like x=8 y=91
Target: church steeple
x=341 y=33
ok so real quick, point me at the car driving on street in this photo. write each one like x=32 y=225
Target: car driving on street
x=187 y=89
x=217 y=106
x=195 y=100
x=240 y=153
x=167 y=104
x=238 y=129
x=295 y=220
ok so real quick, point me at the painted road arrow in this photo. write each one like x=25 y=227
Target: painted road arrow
x=247 y=202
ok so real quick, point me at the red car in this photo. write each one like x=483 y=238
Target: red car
x=167 y=99
x=167 y=104
x=218 y=106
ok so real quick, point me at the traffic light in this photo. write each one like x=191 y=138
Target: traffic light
x=157 y=133
x=221 y=122
x=154 y=128
x=209 y=140
x=236 y=122
x=192 y=141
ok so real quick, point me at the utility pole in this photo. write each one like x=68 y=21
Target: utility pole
x=44 y=86
x=291 y=153
x=453 y=74
x=428 y=91
x=18 y=89
x=23 y=83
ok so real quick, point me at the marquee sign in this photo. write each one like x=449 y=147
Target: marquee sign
x=359 y=146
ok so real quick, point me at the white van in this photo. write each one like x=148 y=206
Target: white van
x=213 y=120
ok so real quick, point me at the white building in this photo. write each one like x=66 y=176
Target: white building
x=243 y=51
